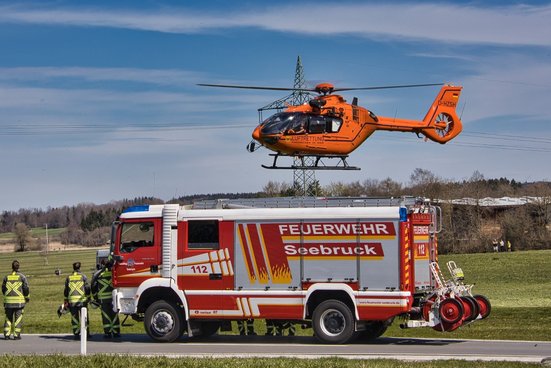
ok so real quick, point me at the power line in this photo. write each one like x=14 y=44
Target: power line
x=503 y=147
x=56 y=129
x=509 y=137
x=478 y=145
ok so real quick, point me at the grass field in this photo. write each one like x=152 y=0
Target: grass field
x=141 y=362
x=36 y=232
x=518 y=285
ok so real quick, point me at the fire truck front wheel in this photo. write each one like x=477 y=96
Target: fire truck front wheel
x=333 y=322
x=163 y=321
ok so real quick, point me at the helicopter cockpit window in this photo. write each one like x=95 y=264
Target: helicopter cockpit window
x=277 y=123
x=285 y=122
x=298 y=125
x=136 y=235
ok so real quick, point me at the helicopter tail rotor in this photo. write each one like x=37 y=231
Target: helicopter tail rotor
x=441 y=120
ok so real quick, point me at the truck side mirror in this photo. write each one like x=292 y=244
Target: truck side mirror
x=117 y=258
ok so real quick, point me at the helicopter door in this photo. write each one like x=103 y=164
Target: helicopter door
x=317 y=124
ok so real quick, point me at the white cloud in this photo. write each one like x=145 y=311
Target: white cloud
x=508 y=85
x=24 y=101
x=169 y=77
x=450 y=23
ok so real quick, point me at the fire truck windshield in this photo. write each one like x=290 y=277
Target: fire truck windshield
x=135 y=235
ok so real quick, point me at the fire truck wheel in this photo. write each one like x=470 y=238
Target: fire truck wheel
x=484 y=305
x=333 y=322
x=451 y=311
x=163 y=321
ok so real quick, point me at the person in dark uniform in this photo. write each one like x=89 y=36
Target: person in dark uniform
x=77 y=294
x=102 y=289
x=15 y=289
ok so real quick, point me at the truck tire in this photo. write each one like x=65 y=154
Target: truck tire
x=333 y=322
x=163 y=321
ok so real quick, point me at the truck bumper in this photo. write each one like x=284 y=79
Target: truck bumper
x=125 y=300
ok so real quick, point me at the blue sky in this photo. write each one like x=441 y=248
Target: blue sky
x=98 y=99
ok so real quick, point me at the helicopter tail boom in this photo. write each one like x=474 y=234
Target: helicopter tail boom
x=442 y=123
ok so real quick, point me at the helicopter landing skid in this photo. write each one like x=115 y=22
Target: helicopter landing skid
x=312 y=162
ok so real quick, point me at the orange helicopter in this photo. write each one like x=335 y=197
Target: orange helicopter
x=329 y=127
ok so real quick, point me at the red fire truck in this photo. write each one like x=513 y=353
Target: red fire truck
x=345 y=266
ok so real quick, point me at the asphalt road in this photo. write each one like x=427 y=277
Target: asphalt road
x=298 y=346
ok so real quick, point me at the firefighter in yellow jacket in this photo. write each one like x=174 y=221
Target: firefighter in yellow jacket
x=102 y=290
x=15 y=289
x=77 y=294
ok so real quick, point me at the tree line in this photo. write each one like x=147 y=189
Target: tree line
x=466 y=228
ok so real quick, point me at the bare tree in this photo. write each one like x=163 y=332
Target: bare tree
x=22 y=237
x=390 y=188
x=275 y=188
x=426 y=183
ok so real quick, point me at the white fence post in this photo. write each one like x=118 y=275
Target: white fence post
x=83 y=330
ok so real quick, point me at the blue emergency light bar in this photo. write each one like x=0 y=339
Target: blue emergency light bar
x=142 y=208
x=403 y=214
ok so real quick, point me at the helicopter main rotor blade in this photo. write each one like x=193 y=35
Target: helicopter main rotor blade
x=255 y=87
x=389 y=87
x=316 y=90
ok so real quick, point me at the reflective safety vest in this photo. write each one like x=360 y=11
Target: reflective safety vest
x=13 y=295
x=77 y=292
x=104 y=286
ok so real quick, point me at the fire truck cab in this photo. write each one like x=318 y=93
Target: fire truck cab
x=348 y=266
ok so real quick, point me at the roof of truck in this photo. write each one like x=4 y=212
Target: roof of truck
x=152 y=211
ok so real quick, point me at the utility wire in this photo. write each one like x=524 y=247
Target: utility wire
x=510 y=137
x=32 y=129
x=55 y=129
x=489 y=145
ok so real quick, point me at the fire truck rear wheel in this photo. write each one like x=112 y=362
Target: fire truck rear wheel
x=163 y=321
x=333 y=322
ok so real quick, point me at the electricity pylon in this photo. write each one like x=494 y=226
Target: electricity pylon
x=304 y=179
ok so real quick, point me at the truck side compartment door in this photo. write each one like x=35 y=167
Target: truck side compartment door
x=205 y=270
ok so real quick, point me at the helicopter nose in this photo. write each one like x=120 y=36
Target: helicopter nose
x=256 y=134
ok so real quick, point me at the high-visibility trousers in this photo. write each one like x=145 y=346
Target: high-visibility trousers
x=110 y=318
x=75 y=319
x=14 y=322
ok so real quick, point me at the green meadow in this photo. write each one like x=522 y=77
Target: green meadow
x=94 y=361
